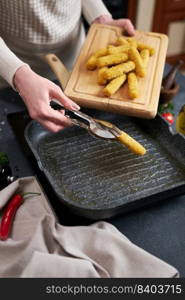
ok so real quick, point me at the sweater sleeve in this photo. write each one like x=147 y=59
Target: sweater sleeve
x=9 y=63
x=93 y=9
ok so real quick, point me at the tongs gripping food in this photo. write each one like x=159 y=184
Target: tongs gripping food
x=85 y=121
x=101 y=129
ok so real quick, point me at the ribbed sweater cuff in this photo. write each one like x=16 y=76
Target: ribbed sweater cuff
x=9 y=63
x=93 y=9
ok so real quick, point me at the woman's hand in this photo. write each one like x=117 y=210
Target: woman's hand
x=37 y=92
x=126 y=24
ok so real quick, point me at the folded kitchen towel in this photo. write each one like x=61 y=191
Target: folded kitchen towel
x=40 y=247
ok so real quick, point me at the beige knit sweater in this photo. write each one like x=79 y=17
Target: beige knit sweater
x=33 y=28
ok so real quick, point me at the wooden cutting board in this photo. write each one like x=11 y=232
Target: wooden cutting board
x=84 y=89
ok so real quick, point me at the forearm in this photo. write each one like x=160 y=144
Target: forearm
x=9 y=63
x=92 y=9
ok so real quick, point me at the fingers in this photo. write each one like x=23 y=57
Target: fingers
x=46 y=115
x=57 y=117
x=126 y=24
x=54 y=120
x=51 y=119
x=36 y=92
x=51 y=126
x=54 y=116
x=57 y=93
x=129 y=28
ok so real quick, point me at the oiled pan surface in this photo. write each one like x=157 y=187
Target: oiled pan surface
x=97 y=175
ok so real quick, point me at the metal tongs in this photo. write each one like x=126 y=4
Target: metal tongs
x=98 y=128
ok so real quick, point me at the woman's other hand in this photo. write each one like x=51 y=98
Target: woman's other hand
x=126 y=24
x=37 y=92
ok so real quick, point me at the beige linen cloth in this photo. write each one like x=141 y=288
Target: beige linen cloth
x=40 y=247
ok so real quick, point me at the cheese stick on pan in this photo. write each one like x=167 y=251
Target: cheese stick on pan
x=125 y=139
x=113 y=59
x=130 y=143
x=114 y=85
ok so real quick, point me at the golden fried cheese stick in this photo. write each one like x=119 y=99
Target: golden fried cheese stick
x=133 y=85
x=114 y=85
x=130 y=143
x=92 y=61
x=112 y=59
x=118 y=70
x=141 y=46
x=145 y=57
x=132 y=42
x=101 y=79
x=126 y=139
x=136 y=58
x=118 y=49
x=101 y=52
x=122 y=41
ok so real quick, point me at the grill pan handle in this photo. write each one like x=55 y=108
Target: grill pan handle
x=58 y=68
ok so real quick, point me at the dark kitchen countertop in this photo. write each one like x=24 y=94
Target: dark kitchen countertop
x=159 y=228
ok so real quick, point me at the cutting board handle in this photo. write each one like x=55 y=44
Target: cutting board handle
x=58 y=68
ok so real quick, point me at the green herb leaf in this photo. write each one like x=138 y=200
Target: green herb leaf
x=3 y=158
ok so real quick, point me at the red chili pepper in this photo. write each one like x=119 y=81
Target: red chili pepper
x=168 y=117
x=9 y=214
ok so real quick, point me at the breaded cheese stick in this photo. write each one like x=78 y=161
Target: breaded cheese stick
x=118 y=70
x=130 y=143
x=145 y=57
x=101 y=79
x=112 y=59
x=118 y=49
x=114 y=85
x=132 y=41
x=136 y=58
x=126 y=139
x=92 y=61
x=122 y=41
x=101 y=52
x=133 y=85
x=141 y=46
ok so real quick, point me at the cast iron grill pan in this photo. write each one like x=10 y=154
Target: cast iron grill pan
x=98 y=179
